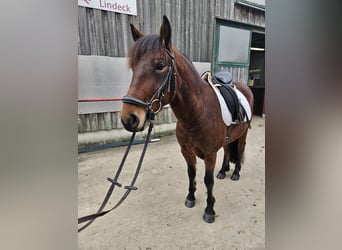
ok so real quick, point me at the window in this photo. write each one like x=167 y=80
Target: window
x=233 y=45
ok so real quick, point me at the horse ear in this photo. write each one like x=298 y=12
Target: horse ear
x=165 y=33
x=136 y=34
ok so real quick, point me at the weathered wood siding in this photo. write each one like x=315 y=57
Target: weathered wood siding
x=107 y=33
x=193 y=22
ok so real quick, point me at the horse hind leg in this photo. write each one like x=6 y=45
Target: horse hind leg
x=225 y=164
x=236 y=150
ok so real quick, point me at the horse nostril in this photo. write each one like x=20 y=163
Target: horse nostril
x=133 y=121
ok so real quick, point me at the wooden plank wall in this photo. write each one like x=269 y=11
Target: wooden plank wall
x=108 y=34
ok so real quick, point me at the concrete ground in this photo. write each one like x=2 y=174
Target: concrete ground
x=155 y=217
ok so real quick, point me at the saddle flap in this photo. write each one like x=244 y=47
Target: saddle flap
x=232 y=101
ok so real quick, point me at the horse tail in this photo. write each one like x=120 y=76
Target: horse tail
x=233 y=151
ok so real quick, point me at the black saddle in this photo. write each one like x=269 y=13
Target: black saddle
x=223 y=80
x=224 y=77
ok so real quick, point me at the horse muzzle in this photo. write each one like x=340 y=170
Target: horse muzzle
x=131 y=123
x=135 y=113
x=133 y=118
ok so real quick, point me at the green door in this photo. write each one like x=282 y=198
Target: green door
x=232 y=50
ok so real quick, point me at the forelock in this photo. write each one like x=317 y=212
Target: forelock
x=143 y=46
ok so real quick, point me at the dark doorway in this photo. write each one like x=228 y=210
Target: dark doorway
x=256 y=74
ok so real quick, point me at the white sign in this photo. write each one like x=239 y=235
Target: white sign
x=128 y=7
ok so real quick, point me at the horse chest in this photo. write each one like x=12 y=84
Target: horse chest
x=203 y=144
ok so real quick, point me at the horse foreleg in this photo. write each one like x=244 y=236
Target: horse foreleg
x=209 y=212
x=225 y=164
x=191 y=162
x=190 y=198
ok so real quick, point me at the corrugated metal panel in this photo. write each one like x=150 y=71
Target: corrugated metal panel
x=102 y=77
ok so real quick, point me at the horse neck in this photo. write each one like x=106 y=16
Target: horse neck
x=190 y=90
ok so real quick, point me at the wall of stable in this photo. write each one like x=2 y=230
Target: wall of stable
x=107 y=34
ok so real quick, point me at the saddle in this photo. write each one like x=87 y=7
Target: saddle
x=223 y=77
x=223 y=81
x=234 y=106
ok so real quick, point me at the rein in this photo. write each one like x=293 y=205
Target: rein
x=159 y=94
x=115 y=182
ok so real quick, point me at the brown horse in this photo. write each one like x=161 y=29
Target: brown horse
x=162 y=75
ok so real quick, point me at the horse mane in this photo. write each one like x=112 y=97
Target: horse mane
x=147 y=44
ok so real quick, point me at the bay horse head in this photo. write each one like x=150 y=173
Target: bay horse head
x=152 y=61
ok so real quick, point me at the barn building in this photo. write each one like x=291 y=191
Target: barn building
x=217 y=35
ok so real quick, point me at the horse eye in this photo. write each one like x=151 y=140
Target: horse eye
x=160 y=66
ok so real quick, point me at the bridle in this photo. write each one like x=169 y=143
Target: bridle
x=159 y=94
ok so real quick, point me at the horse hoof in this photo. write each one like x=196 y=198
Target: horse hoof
x=209 y=218
x=189 y=203
x=220 y=175
x=235 y=177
